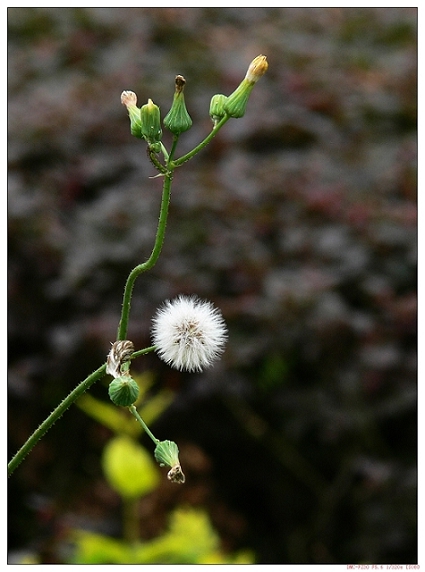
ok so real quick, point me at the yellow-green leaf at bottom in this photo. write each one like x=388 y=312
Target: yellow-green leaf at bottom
x=129 y=468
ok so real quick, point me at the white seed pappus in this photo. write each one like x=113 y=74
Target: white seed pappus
x=189 y=333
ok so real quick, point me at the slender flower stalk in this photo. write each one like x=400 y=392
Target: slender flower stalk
x=166 y=452
x=203 y=143
x=54 y=416
x=156 y=251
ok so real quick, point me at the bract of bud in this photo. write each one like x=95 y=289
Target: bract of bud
x=167 y=453
x=178 y=119
x=151 y=122
x=123 y=391
x=129 y=99
x=236 y=103
x=217 y=111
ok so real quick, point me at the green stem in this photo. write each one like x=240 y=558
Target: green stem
x=201 y=145
x=143 y=352
x=156 y=163
x=125 y=312
x=159 y=240
x=54 y=416
x=173 y=149
x=134 y=411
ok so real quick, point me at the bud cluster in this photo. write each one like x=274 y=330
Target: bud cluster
x=145 y=123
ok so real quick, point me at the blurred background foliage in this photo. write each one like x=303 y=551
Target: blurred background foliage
x=299 y=221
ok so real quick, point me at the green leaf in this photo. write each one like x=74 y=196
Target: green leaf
x=189 y=539
x=128 y=468
x=109 y=415
x=93 y=548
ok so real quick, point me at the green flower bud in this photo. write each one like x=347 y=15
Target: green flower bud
x=123 y=391
x=178 y=119
x=129 y=99
x=236 y=103
x=151 y=122
x=217 y=111
x=167 y=453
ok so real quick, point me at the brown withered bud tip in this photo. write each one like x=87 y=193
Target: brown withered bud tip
x=180 y=83
x=120 y=353
x=176 y=475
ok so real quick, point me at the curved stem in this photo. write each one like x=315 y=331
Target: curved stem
x=123 y=324
x=54 y=416
x=155 y=162
x=201 y=145
x=159 y=240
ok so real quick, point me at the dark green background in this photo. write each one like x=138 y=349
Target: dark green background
x=298 y=221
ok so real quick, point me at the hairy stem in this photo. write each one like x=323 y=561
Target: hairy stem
x=54 y=416
x=201 y=145
x=159 y=240
x=134 y=412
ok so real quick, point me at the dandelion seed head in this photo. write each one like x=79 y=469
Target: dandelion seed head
x=189 y=333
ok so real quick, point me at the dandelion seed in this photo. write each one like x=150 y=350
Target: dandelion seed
x=189 y=333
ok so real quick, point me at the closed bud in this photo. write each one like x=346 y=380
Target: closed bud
x=129 y=99
x=123 y=391
x=257 y=68
x=236 y=103
x=167 y=454
x=178 y=119
x=151 y=122
x=217 y=111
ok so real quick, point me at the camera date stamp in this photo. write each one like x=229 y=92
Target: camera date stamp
x=383 y=567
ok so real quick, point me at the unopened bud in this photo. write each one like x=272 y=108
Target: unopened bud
x=167 y=453
x=151 y=122
x=178 y=119
x=217 y=111
x=129 y=99
x=123 y=391
x=236 y=103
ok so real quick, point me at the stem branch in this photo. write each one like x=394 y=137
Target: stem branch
x=54 y=416
x=201 y=145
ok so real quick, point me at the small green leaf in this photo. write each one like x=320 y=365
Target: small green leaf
x=109 y=415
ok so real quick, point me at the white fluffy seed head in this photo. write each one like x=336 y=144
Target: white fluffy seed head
x=189 y=333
